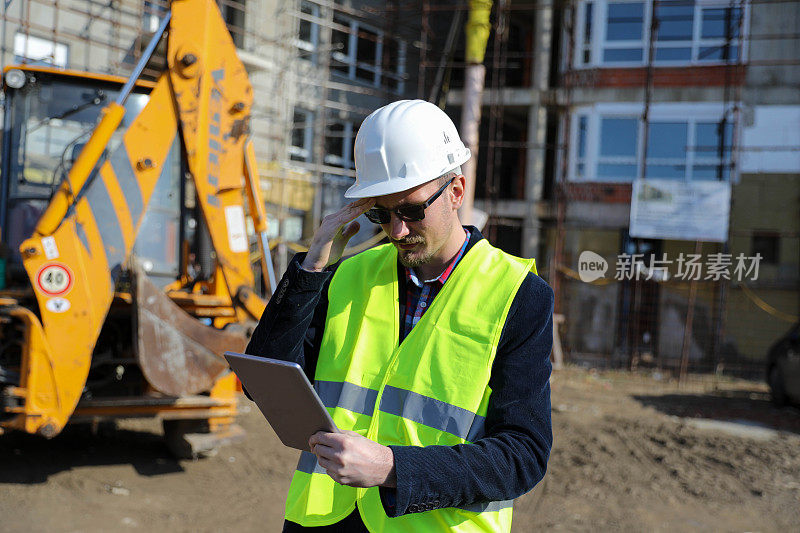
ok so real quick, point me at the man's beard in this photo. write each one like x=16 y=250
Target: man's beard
x=413 y=258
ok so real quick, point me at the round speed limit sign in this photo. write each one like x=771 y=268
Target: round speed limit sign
x=54 y=279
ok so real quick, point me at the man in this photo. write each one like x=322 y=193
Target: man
x=432 y=351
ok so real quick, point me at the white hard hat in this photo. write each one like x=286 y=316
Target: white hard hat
x=402 y=145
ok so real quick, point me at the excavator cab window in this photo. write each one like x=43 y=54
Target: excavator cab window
x=48 y=121
x=158 y=243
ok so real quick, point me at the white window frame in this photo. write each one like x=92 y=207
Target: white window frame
x=345 y=159
x=598 y=43
x=312 y=45
x=152 y=14
x=398 y=74
x=691 y=114
x=303 y=152
x=349 y=57
x=32 y=49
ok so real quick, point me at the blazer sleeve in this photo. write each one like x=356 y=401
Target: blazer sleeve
x=290 y=329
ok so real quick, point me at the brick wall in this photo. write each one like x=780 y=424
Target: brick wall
x=701 y=76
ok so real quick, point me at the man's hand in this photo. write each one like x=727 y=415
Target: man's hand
x=331 y=237
x=351 y=459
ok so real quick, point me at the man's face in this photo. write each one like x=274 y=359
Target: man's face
x=418 y=242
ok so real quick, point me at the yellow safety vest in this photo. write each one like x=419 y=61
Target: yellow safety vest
x=433 y=388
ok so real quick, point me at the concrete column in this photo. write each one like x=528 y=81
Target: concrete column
x=534 y=179
x=474 y=76
x=537 y=128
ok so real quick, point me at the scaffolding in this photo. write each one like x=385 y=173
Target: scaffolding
x=320 y=66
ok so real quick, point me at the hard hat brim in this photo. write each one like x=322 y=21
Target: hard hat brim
x=398 y=184
x=381 y=189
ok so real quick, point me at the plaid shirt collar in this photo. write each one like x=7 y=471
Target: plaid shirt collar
x=441 y=278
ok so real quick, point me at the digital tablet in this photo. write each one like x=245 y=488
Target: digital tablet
x=285 y=397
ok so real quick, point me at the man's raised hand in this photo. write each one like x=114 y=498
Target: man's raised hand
x=332 y=236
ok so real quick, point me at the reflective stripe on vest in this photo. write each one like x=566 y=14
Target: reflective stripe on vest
x=346 y=395
x=432 y=413
x=408 y=404
x=404 y=394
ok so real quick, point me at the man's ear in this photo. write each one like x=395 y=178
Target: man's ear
x=457 y=191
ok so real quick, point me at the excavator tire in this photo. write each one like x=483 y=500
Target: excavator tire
x=191 y=439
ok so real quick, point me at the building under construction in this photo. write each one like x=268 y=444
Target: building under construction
x=582 y=102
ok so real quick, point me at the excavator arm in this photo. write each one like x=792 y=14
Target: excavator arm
x=83 y=242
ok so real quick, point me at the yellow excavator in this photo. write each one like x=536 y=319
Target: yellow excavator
x=127 y=211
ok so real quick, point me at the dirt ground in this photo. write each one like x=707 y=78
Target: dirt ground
x=632 y=452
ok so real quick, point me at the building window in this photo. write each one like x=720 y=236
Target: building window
x=393 y=65
x=363 y=53
x=308 y=31
x=340 y=138
x=585 y=49
x=768 y=245
x=302 y=135
x=618 y=147
x=505 y=233
x=690 y=142
x=36 y=51
x=580 y=164
x=153 y=13
x=233 y=13
x=624 y=32
x=617 y=33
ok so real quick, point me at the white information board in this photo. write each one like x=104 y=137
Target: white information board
x=237 y=235
x=680 y=210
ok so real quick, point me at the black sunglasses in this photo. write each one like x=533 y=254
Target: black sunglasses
x=408 y=212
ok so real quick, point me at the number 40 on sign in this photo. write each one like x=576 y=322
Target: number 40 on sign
x=54 y=279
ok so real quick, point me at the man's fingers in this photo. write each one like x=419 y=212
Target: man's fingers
x=351 y=230
x=313 y=439
x=326 y=452
x=326 y=245
x=355 y=209
x=333 y=470
x=318 y=438
x=352 y=212
x=328 y=465
x=325 y=443
x=364 y=201
x=321 y=437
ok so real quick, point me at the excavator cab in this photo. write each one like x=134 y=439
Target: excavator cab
x=50 y=114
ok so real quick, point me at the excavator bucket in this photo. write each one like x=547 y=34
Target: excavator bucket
x=177 y=353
